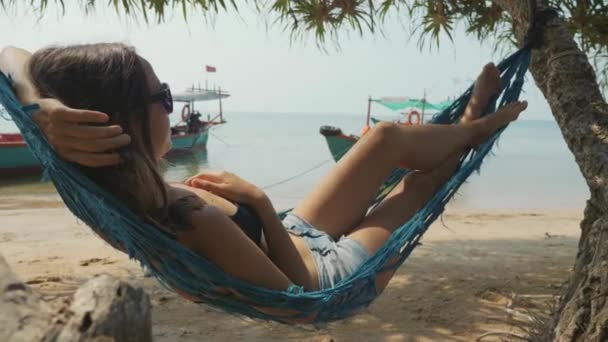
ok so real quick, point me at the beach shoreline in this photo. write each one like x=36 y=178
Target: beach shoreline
x=476 y=271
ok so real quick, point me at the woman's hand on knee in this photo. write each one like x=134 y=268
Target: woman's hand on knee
x=70 y=134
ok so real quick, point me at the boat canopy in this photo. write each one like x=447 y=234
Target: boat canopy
x=198 y=94
x=397 y=103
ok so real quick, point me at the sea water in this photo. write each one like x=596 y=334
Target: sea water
x=531 y=168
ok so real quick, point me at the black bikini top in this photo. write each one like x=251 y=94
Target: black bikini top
x=245 y=217
x=249 y=222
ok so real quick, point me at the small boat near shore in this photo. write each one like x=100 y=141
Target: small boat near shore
x=189 y=135
x=15 y=157
x=340 y=143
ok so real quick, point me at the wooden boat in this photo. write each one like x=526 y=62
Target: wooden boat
x=15 y=157
x=189 y=135
x=340 y=143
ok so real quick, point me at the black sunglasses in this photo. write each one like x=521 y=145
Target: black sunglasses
x=164 y=97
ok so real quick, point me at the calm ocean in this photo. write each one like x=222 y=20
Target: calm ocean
x=531 y=169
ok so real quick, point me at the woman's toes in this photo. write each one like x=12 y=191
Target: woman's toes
x=496 y=72
x=521 y=106
x=489 y=124
x=516 y=108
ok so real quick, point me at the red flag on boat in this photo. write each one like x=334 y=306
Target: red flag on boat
x=210 y=68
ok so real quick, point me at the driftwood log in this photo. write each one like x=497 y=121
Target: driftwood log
x=103 y=309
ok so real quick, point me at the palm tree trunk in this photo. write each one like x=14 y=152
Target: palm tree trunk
x=567 y=80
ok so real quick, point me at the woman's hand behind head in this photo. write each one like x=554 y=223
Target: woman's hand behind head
x=71 y=134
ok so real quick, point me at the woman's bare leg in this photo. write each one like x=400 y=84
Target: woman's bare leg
x=341 y=200
x=407 y=198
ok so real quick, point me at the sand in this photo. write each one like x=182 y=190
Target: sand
x=477 y=272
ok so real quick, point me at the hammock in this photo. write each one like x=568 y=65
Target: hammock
x=199 y=280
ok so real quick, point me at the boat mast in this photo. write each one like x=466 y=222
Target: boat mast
x=369 y=109
x=220 y=99
x=423 y=105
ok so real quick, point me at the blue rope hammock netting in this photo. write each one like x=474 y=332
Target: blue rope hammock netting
x=199 y=280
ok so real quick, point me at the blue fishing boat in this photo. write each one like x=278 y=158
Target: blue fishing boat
x=15 y=157
x=189 y=135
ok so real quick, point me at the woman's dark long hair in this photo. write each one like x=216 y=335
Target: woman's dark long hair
x=109 y=78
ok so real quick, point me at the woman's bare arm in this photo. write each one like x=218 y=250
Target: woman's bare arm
x=281 y=248
x=13 y=62
x=66 y=129
x=218 y=239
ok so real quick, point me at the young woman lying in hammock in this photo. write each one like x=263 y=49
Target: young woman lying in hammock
x=102 y=106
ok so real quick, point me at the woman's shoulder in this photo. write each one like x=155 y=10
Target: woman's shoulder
x=178 y=191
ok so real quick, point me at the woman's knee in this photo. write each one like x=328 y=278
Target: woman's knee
x=385 y=131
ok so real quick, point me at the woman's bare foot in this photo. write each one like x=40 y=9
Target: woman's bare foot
x=487 y=85
x=484 y=127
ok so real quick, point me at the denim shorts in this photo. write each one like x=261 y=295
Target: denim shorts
x=335 y=260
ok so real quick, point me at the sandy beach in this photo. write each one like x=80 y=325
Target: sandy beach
x=476 y=272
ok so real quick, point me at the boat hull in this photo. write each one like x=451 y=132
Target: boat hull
x=17 y=160
x=338 y=142
x=189 y=142
x=15 y=157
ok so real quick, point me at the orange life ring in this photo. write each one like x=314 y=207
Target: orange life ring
x=412 y=114
x=184 y=112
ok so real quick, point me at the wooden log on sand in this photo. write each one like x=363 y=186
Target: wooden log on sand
x=103 y=309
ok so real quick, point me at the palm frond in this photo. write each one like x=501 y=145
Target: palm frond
x=431 y=20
